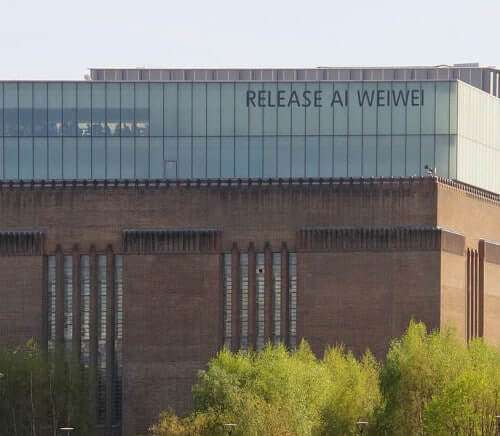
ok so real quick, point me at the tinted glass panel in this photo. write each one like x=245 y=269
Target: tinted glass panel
x=25 y=109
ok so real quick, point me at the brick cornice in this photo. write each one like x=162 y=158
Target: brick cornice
x=401 y=238
x=21 y=243
x=163 y=241
x=471 y=190
x=490 y=250
x=235 y=182
x=342 y=182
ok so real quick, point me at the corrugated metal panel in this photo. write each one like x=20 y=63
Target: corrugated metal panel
x=485 y=78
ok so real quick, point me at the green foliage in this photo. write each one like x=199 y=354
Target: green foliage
x=277 y=392
x=38 y=395
x=352 y=393
x=430 y=384
x=434 y=384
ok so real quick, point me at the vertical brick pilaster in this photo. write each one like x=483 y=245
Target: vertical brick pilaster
x=473 y=295
x=252 y=297
x=93 y=334
x=236 y=297
x=467 y=296
x=481 y=288
x=268 y=293
x=77 y=319
x=59 y=297
x=110 y=334
x=476 y=294
x=284 y=294
x=222 y=302
x=298 y=316
x=45 y=306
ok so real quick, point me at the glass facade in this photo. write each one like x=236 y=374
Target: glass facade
x=478 y=154
x=180 y=130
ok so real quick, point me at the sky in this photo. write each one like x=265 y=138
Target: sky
x=54 y=39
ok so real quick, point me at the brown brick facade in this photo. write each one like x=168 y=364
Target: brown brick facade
x=370 y=255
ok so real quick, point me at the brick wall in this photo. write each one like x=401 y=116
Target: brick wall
x=173 y=326
x=363 y=300
x=21 y=308
x=356 y=284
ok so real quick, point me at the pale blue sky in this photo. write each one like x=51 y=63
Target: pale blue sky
x=55 y=39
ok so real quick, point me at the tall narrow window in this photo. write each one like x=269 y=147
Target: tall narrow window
x=51 y=300
x=474 y=315
x=85 y=309
x=259 y=273
x=117 y=401
x=244 y=299
x=228 y=295
x=292 y=277
x=68 y=302
x=101 y=338
x=276 y=298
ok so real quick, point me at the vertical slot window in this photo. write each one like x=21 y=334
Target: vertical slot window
x=276 y=298
x=292 y=288
x=101 y=338
x=118 y=371
x=228 y=296
x=51 y=302
x=85 y=309
x=244 y=299
x=260 y=299
x=68 y=303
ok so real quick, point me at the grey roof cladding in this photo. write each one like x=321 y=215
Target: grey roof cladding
x=485 y=78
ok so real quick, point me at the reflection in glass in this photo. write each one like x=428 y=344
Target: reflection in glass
x=141 y=109
x=83 y=110
x=68 y=130
x=398 y=156
x=256 y=157
x=10 y=115
x=354 y=156
x=25 y=109
x=127 y=109
x=112 y=109
x=98 y=109
x=69 y=124
x=369 y=156
x=312 y=156
x=25 y=158
x=384 y=156
x=213 y=157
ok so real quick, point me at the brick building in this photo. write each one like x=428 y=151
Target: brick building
x=148 y=217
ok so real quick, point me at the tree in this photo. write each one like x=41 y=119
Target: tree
x=277 y=392
x=353 y=392
x=430 y=384
x=435 y=384
x=38 y=394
